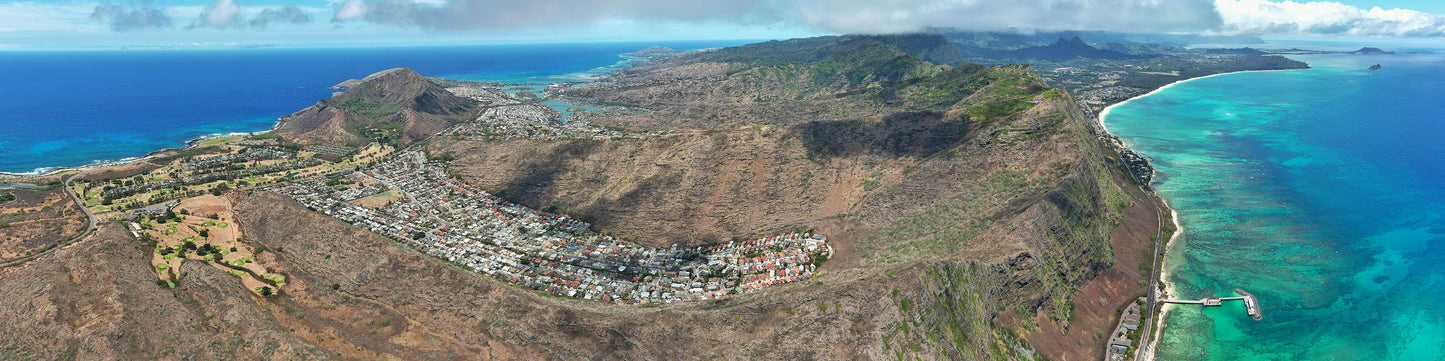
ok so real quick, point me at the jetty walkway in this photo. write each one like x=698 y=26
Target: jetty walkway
x=1251 y=303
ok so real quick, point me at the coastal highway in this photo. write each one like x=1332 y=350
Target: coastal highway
x=1144 y=352
x=88 y=228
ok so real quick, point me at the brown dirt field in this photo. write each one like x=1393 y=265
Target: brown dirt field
x=379 y=200
x=208 y=206
x=37 y=219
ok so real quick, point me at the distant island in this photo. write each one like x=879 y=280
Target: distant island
x=1371 y=51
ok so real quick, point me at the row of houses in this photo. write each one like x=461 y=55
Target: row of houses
x=549 y=252
x=1119 y=341
x=249 y=154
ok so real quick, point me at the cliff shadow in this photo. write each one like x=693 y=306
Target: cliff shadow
x=541 y=174
x=901 y=134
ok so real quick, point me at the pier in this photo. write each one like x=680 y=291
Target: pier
x=1251 y=303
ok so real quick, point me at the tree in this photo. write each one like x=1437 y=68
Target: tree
x=335 y=286
x=265 y=291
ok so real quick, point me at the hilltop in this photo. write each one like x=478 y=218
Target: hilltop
x=395 y=106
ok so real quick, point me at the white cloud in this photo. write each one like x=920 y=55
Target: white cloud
x=127 y=18
x=351 y=9
x=219 y=14
x=1324 y=18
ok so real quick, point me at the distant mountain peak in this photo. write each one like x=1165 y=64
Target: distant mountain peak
x=1066 y=48
x=1075 y=42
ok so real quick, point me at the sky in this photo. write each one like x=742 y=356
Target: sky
x=42 y=24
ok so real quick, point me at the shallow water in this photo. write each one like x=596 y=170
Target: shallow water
x=1320 y=191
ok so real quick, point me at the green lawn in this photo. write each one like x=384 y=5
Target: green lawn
x=218 y=141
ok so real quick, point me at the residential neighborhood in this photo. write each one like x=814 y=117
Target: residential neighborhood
x=414 y=201
x=1121 y=341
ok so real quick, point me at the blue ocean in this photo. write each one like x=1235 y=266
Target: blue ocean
x=73 y=108
x=1320 y=191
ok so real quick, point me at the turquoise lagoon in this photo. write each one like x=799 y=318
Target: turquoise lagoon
x=1321 y=191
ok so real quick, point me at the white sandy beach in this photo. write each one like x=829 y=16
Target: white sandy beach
x=1147 y=354
x=1105 y=112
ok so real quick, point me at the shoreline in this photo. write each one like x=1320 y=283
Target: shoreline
x=584 y=76
x=98 y=164
x=1147 y=353
x=1168 y=292
x=1105 y=112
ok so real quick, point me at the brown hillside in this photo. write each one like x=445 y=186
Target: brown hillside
x=396 y=105
x=971 y=208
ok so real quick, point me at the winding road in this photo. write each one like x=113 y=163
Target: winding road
x=90 y=228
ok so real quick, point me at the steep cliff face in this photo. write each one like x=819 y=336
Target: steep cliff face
x=395 y=106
